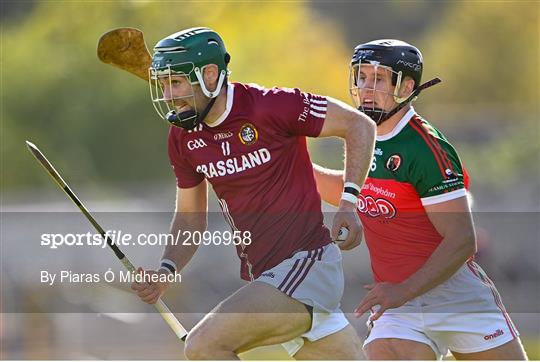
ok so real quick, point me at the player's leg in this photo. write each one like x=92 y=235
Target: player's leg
x=271 y=310
x=316 y=279
x=256 y=315
x=399 y=335
x=342 y=345
x=467 y=316
x=499 y=338
x=512 y=350
x=398 y=349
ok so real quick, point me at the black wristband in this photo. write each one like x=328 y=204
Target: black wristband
x=351 y=190
x=168 y=267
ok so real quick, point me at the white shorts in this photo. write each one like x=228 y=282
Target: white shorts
x=314 y=278
x=465 y=314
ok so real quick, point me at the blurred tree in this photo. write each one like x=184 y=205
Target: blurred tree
x=366 y=20
x=12 y=10
x=487 y=53
x=95 y=122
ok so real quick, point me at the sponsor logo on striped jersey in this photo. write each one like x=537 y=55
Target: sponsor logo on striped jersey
x=235 y=165
x=313 y=106
x=376 y=207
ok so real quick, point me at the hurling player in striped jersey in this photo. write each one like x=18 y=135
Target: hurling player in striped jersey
x=429 y=296
x=249 y=143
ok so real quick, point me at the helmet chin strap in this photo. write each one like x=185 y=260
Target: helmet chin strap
x=188 y=120
x=379 y=115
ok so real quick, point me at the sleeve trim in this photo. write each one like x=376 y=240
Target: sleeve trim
x=188 y=185
x=431 y=200
x=438 y=153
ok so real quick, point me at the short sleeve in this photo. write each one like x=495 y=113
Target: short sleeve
x=296 y=112
x=437 y=172
x=186 y=176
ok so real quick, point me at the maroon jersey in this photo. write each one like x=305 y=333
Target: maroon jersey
x=255 y=156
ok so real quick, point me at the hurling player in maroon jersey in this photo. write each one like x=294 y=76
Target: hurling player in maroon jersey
x=429 y=296
x=249 y=143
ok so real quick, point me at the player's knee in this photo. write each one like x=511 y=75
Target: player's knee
x=398 y=349
x=196 y=349
x=202 y=344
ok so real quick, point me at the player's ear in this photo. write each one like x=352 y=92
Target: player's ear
x=210 y=76
x=407 y=87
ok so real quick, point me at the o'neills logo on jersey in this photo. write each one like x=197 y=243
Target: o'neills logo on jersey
x=498 y=333
x=234 y=165
x=248 y=134
x=222 y=136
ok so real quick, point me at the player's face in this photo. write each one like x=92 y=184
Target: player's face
x=178 y=92
x=372 y=88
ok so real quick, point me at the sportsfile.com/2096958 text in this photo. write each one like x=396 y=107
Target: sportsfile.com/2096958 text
x=120 y=238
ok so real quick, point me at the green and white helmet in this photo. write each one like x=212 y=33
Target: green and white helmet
x=186 y=53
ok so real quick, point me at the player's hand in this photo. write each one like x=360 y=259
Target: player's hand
x=385 y=295
x=347 y=217
x=150 y=292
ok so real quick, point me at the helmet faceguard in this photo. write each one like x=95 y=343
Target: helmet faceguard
x=396 y=58
x=186 y=54
x=371 y=96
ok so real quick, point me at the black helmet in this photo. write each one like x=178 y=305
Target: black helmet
x=396 y=54
x=400 y=58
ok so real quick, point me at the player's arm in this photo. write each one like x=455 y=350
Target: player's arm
x=453 y=221
x=329 y=183
x=191 y=203
x=358 y=131
x=189 y=216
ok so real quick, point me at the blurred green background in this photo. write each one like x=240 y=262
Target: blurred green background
x=97 y=125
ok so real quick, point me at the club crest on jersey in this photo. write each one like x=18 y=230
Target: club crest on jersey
x=248 y=134
x=393 y=163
